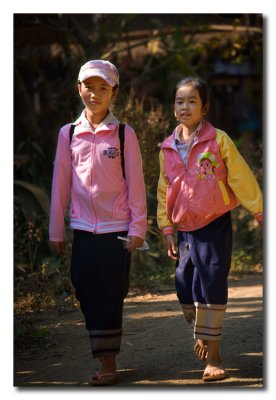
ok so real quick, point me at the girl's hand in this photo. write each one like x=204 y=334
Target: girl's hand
x=59 y=247
x=261 y=225
x=134 y=243
x=172 y=249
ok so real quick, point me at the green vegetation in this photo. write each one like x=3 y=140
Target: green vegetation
x=152 y=52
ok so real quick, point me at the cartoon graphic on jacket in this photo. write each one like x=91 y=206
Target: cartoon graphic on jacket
x=215 y=180
x=206 y=162
x=90 y=168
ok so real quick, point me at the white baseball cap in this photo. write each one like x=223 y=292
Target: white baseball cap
x=101 y=68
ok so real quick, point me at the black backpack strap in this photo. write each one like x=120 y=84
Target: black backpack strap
x=122 y=146
x=71 y=131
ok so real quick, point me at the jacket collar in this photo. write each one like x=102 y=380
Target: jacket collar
x=83 y=125
x=195 y=133
x=207 y=132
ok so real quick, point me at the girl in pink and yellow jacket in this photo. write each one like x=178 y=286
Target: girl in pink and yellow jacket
x=102 y=175
x=202 y=178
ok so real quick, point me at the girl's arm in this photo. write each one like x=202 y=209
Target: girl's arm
x=240 y=177
x=61 y=186
x=163 y=221
x=59 y=247
x=137 y=201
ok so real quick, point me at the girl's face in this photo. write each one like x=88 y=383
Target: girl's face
x=188 y=107
x=96 y=94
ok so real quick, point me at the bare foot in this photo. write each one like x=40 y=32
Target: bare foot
x=104 y=379
x=214 y=372
x=107 y=365
x=201 y=349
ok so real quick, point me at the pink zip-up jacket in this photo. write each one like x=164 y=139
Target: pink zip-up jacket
x=89 y=171
x=215 y=180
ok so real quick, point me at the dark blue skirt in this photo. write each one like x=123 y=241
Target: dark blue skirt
x=100 y=275
x=204 y=263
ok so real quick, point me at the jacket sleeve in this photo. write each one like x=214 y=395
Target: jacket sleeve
x=137 y=201
x=240 y=177
x=61 y=186
x=163 y=221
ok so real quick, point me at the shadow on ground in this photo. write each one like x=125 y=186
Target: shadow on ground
x=157 y=346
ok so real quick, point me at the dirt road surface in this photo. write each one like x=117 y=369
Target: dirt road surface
x=157 y=346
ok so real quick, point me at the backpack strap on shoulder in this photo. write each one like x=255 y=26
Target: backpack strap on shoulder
x=71 y=131
x=122 y=146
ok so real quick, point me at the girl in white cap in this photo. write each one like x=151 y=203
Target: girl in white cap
x=102 y=175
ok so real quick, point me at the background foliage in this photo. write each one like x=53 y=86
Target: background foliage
x=152 y=53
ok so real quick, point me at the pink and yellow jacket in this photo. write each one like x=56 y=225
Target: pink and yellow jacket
x=215 y=180
x=90 y=172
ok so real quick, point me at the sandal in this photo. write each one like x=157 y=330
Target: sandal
x=104 y=379
x=208 y=376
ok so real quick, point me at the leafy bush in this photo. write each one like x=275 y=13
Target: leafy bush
x=46 y=98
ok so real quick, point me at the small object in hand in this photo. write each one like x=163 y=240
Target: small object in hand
x=145 y=246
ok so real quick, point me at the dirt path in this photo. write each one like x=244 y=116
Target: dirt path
x=157 y=344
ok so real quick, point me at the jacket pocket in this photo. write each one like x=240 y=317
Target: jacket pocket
x=75 y=211
x=174 y=190
x=120 y=207
x=224 y=193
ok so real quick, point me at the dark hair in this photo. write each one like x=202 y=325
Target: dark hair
x=115 y=89
x=198 y=84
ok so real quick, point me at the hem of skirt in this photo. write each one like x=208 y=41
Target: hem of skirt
x=211 y=338
x=105 y=353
